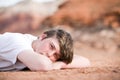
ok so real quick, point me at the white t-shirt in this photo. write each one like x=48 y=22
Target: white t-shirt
x=11 y=44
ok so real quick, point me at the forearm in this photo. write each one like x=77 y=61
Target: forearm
x=78 y=62
x=35 y=61
x=58 y=65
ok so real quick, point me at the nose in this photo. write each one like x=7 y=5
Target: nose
x=51 y=53
x=51 y=56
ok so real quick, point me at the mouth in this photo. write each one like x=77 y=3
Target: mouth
x=42 y=54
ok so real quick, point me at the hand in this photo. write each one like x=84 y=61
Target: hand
x=58 y=65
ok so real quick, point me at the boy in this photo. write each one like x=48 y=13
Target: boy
x=51 y=50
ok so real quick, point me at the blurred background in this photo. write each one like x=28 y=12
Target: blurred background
x=93 y=24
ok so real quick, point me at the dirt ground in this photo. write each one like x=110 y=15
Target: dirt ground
x=101 y=47
x=105 y=65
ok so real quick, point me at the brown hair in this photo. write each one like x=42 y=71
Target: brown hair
x=65 y=43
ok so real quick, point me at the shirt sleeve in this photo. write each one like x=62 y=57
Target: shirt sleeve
x=12 y=46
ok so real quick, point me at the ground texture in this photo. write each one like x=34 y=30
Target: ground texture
x=104 y=66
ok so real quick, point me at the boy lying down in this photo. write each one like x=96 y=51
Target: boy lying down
x=51 y=50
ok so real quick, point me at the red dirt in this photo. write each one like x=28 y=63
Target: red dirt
x=102 y=50
x=104 y=66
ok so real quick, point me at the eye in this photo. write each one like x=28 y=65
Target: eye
x=52 y=47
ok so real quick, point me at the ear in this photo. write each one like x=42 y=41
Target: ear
x=42 y=36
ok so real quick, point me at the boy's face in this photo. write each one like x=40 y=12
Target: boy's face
x=48 y=47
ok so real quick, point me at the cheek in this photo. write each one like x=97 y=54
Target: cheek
x=44 y=47
x=52 y=58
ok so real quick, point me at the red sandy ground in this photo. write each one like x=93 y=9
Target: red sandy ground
x=104 y=66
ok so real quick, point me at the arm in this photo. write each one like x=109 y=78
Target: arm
x=38 y=62
x=35 y=61
x=77 y=62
